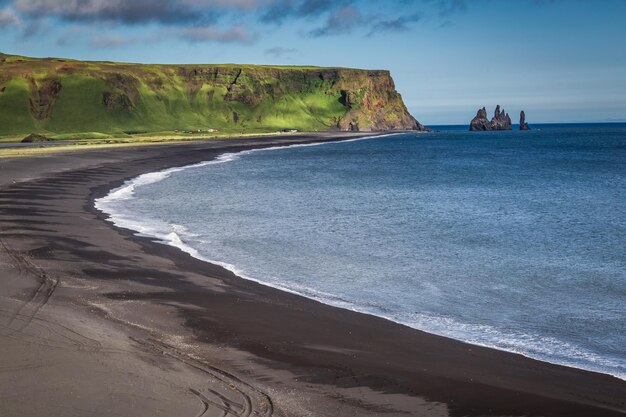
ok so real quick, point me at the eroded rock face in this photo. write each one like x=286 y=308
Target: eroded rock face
x=500 y=121
x=522 y=121
x=43 y=96
x=373 y=104
x=117 y=101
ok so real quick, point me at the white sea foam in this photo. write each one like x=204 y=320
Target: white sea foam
x=533 y=346
x=127 y=190
x=170 y=234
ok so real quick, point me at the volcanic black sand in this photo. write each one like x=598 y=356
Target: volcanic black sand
x=97 y=322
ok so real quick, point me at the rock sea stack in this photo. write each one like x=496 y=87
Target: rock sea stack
x=522 y=121
x=500 y=121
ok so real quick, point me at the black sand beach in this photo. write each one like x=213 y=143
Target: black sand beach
x=95 y=321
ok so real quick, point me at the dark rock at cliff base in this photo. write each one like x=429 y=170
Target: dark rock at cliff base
x=420 y=127
x=33 y=137
x=522 y=121
x=500 y=121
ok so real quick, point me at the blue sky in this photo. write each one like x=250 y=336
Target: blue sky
x=559 y=60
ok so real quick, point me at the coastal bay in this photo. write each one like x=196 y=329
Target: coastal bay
x=171 y=335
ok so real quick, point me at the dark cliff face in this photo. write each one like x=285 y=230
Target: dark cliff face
x=522 y=121
x=374 y=104
x=500 y=121
x=60 y=95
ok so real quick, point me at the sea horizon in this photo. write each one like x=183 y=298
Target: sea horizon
x=515 y=126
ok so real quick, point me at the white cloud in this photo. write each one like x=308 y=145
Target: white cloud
x=340 y=21
x=237 y=4
x=8 y=18
x=235 y=34
x=107 y=42
x=279 y=52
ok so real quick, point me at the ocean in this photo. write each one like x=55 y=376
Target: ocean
x=511 y=240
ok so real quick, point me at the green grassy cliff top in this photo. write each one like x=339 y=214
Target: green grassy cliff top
x=61 y=96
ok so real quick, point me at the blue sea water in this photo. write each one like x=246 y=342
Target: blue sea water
x=513 y=240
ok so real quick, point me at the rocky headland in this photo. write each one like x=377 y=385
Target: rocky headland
x=53 y=95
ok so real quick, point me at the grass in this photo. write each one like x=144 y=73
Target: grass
x=82 y=135
x=105 y=100
x=90 y=143
x=15 y=114
x=49 y=151
x=159 y=99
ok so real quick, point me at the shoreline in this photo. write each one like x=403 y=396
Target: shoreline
x=321 y=354
x=161 y=238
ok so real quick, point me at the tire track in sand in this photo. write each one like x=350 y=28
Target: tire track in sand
x=25 y=314
x=224 y=391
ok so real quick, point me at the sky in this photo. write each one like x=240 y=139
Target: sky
x=559 y=60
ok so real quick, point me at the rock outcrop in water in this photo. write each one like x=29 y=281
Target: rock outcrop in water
x=522 y=121
x=480 y=122
x=500 y=121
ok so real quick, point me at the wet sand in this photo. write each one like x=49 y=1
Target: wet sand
x=95 y=321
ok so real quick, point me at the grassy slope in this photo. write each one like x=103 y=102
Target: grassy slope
x=114 y=98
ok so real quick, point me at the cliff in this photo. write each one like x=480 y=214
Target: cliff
x=61 y=95
x=500 y=121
